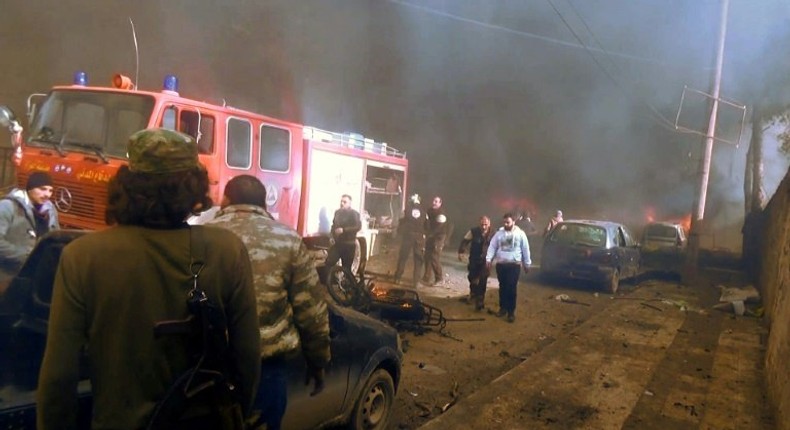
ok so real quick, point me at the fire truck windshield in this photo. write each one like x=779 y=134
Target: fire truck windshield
x=97 y=122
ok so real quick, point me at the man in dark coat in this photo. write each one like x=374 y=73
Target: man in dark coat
x=436 y=229
x=345 y=226
x=411 y=232
x=476 y=241
x=113 y=286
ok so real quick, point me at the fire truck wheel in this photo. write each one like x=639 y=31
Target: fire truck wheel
x=375 y=403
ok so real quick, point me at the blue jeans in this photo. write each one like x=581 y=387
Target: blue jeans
x=272 y=397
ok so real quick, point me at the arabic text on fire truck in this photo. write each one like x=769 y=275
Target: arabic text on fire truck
x=78 y=134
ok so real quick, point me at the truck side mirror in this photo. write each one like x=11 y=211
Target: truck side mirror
x=8 y=120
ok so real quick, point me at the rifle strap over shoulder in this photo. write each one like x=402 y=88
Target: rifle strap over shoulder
x=197 y=251
x=206 y=382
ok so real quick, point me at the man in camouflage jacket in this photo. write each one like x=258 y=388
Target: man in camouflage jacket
x=291 y=311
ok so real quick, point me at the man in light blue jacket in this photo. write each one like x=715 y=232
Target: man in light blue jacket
x=509 y=250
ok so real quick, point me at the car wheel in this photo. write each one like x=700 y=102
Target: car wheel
x=614 y=281
x=374 y=406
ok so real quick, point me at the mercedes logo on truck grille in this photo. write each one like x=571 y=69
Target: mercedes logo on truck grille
x=62 y=199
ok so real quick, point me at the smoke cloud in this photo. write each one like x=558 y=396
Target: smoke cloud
x=563 y=104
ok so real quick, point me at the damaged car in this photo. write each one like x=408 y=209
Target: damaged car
x=664 y=246
x=603 y=252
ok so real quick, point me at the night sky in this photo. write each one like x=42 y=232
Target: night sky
x=500 y=105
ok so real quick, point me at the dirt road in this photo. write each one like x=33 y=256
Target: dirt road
x=656 y=355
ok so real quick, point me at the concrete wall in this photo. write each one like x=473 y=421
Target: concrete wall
x=773 y=279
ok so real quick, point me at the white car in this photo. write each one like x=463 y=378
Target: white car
x=664 y=236
x=664 y=246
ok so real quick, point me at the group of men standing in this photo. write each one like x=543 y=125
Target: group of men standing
x=115 y=288
x=256 y=271
x=422 y=236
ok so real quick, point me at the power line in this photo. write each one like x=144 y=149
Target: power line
x=663 y=121
x=589 y=30
x=524 y=33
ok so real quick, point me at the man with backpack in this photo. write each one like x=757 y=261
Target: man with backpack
x=115 y=287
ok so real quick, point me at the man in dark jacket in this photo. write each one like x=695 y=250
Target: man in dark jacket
x=436 y=229
x=113 y=286
x=345 y=226
x=25 y=216
x=411 y=232
x=476 y=241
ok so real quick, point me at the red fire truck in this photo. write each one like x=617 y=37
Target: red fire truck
x=78 y=134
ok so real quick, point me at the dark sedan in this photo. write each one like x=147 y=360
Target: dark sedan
x=361 y=381
x=603 y=252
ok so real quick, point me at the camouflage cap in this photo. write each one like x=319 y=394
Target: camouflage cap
x=159 y=150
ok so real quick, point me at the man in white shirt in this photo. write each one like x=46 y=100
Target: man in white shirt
x=509 y=250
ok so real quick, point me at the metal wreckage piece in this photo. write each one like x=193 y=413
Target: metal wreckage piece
x=399 y=306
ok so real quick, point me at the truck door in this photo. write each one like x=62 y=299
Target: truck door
x=277 y=168
x=200 y=125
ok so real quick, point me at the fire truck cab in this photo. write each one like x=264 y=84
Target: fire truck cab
x=78 y=133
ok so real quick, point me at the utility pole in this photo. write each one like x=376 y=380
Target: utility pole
x=698 y=211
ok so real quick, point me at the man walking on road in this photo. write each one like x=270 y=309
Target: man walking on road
x=291 y=312
x=476 y=241
x=509 y=250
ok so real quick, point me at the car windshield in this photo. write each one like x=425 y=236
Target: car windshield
x=661 y=230
x=90 y=121
x=579 y=234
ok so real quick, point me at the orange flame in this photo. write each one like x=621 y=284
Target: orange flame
x=686 y=222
